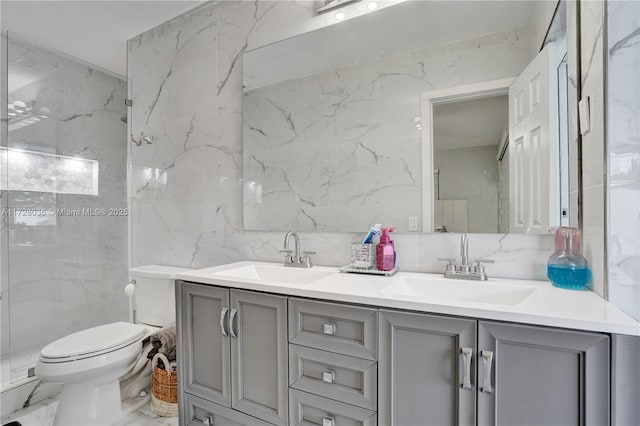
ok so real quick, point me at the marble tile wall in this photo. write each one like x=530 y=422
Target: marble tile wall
x=623 y=146
x=593 y=204
x=65 y=272
x=186 y=86
x=346 y=139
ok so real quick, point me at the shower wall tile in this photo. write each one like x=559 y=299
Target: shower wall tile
x=66 y=272
x=623 y=139
x=187 y=199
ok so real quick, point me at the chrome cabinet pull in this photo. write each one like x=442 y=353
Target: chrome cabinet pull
x=223 y=313
x=329 y=328
x=467 y=354
x=328 y=376
x=207 y=421
x=487 y=359
x=328 y=421
x=232 y=317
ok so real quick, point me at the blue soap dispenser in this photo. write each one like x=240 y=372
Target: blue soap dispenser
x=567 y=268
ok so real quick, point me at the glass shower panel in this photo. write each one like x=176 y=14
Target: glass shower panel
x=5 y=351
x=66 y=199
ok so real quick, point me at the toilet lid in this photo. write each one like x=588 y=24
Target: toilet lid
x=94 y=340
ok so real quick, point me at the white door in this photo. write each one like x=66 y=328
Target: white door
x=533 y=136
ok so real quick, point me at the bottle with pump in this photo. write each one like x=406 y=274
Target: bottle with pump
x=567 y=268
x=385 y=251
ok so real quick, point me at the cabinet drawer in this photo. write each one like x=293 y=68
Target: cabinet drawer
x=349 y=330
x=198 y=411
x=340 y=377
x=307 y=409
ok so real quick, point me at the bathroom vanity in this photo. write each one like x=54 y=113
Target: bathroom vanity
x=264 y=344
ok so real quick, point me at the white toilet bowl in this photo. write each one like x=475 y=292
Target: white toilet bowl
x=89 y=364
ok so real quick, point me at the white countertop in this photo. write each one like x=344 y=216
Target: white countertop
x=544 y=304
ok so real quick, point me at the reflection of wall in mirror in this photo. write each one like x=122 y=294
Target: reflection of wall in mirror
x=470 y=174
x=346 y=140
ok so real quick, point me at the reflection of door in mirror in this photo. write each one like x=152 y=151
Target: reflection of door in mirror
x=499 y=151
x=537 y=132
x=466 y=135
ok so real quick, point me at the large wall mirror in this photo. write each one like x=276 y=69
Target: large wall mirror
x=429 y=116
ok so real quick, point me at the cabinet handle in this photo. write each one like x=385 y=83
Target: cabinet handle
x=232 y=317
x=328 y=376
x=207 y=421
x=328 y=421
x=329 y=328
x=487 y=359
x=223 y=314
x=467 y=354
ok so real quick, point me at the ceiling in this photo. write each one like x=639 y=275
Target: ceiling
x=93 y=31
x=472 y=123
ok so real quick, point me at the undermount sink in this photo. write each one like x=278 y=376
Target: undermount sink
x=275 y=273
x=454 y=291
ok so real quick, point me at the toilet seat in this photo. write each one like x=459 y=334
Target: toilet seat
x=92 y=342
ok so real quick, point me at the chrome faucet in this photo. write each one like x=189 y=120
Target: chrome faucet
x=295 y=259
x=464 y=271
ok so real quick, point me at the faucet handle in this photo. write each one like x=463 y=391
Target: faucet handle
x=308 y=253
x=287 y=252
x=451 y=266
x=478 y=268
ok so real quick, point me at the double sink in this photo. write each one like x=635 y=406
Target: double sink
x=431 y=288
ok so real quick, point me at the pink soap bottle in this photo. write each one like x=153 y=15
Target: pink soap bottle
x=385 y=251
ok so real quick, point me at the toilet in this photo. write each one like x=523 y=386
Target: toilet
x=90 y=362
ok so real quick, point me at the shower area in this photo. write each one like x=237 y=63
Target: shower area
x=63 y=194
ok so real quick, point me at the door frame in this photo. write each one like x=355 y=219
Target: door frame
x=428 y=99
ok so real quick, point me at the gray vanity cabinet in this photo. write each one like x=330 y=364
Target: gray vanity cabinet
x=259 y=361
x=426 y=370
x=541 y=376
x=205 y=358
x=233 y=353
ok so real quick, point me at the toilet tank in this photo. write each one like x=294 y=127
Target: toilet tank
x=155 y=300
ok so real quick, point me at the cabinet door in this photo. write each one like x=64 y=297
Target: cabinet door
x=539 y=376
x=205 y=354
x=423 y=364
x=258 y=326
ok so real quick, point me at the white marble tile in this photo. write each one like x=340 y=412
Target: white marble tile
x=593 y=231
x=623 y=139
x=42 y=414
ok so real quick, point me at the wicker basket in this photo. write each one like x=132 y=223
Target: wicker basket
x=164 y=388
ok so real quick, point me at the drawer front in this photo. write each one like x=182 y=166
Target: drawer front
x=311 y=410
x=348 y=330
x=199 y=412
x=340 y=377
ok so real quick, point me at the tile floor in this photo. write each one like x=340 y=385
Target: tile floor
x=41 y=414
